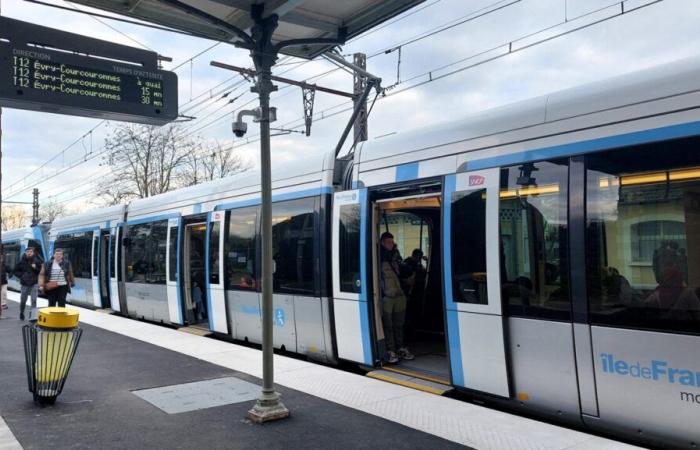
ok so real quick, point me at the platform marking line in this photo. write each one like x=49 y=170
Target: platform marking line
x=7 y=439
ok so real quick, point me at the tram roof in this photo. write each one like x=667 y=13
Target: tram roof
x=660 y=82
x=17 y=233
x=298 y=19
x=94 y=217
x=315 y=169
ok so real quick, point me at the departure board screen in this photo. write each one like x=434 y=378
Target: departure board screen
x=71 y=83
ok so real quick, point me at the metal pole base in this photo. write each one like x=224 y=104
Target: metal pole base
x=267 y=409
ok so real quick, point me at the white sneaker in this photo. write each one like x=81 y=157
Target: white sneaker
x=405 y=353
x=392 y=358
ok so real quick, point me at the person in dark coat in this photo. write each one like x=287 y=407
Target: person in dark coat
x=56 y=279
x=27 y=270
x=3 y=277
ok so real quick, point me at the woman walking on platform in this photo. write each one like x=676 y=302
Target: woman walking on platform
x=59 y=281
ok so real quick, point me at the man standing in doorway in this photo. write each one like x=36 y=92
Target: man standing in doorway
x=27 y=270
x=393 y=301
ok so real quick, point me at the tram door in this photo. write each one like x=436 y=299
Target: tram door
x=104 y=274
x=114 y=269
x=475 y=325
x=120 y=269
x=95 y=274
x=214 y=262
x=351 y=308
x=172 y=266
x=194 y=292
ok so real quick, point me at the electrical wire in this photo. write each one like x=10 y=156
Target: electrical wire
x=323 y=114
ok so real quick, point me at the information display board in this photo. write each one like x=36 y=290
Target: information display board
x=122 y=83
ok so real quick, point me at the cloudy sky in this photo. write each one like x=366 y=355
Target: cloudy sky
x=659 y=33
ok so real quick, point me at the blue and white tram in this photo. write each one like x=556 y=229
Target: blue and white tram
x=15 y=242
x=562 y=264
x=191 y=256
x=561 y=271
x=89 y=241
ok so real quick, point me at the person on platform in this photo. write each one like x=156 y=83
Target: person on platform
x=56 y=279
x=393 y=301
x=3 y=277
x=27 y=270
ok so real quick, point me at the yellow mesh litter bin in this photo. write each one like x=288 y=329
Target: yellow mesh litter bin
x=49 y=347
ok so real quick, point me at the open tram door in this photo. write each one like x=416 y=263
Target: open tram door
x=173 y=270
x=472 y=287
x=100 y=273
x=351 y=310
x=120 y=291
x=114 y=267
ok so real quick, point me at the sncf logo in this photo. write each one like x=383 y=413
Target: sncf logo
x=476 y=180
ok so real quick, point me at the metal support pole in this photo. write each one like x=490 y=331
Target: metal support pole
x=35 y=206
x=2 y=247
x=268 y=407
x=359 y=86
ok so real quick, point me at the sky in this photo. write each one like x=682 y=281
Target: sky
x=659 y=33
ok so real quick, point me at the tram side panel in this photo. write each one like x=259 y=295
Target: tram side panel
x=533 y=241
x=299 y=315
x=145 y=252
x=643 y=287
x=78 y=249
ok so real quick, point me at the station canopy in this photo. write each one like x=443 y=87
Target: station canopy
x=298 y=19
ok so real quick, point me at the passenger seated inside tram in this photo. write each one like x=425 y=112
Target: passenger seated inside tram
x=617 y=289
x=672 y=296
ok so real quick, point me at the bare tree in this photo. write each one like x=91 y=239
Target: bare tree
x=212 y=161
x=144 y=161
x=223 y=162
x=51 y=210
x=14 y=217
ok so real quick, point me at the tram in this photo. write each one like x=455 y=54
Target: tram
x=16 y=241
x=561 y=275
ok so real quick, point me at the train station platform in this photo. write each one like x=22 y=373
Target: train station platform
x=110 y=400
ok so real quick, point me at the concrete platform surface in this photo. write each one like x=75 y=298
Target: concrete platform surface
x=330 y=408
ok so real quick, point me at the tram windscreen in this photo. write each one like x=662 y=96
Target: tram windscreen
x=643 y=237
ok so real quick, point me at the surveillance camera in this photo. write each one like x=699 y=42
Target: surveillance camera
x=239 y=128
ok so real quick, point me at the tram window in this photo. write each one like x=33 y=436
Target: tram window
x=95 y=256
x=643 y=237
x=11 y=257
x=469 y=247
x=533 y=231
x=77 y=248
x=214 y=252
x=112 y=254
x=145 y=255
x=172 y=244
x=349 y=248
x=120 y=253
x=240 y=249
x=293 y=234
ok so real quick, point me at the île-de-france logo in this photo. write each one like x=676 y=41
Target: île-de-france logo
x=476 y=180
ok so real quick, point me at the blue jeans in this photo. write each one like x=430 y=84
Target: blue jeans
x=27 y=290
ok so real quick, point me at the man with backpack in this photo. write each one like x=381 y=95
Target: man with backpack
x=27 y=270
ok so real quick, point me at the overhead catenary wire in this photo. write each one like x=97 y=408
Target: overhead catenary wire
x=323 y=113
x=431 y=32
